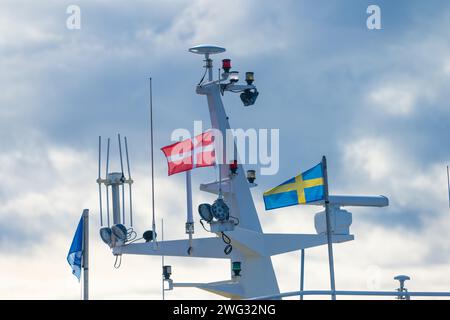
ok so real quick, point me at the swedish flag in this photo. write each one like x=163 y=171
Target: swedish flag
x=304 y=188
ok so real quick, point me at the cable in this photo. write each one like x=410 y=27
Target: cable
x=228 y=249
x=225 y=238
x=201 y=222
x=118 y=262
x=133 y=241
x=131 y=235
x=227 y=241
x=203 y=78
x=237 y=220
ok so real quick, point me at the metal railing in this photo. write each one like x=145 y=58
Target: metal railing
x=399 y=294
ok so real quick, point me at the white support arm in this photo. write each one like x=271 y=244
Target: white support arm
x=204 y=248
x=228 y=289
x=247 y=241
x=277 y=243
x=356 y=201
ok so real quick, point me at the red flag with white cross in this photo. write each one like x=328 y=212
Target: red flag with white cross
x=190 y=153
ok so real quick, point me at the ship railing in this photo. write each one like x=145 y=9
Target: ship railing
x=403 y=295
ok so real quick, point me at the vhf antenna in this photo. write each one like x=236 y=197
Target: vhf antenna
x=99 y=177
x=122 y=178
x=107 y=173
x=448 y=186
x=152 y=165
x=131 y=182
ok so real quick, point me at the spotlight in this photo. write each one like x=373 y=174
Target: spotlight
x=249 y=77
x=205 y=212
x=248 y=97
x=105 y=234
x=233 y=76
x=226 y=65
x=148 y=236
x=236 y=268
x=220 y=210
x=120 y=232
x=251 y=176
x=167 y=272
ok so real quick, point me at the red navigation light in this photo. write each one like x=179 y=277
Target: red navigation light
x=226 y=65
x=234 y=167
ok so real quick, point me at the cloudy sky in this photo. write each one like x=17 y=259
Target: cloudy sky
x=374 y=101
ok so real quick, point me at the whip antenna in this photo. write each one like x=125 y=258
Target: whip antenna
x=152 y=166
x=99 y=178
x=123 y=179
x=448 y=186
x=107 y=188
x=130 y=182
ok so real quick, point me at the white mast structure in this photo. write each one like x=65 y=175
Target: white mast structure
x=251 y=269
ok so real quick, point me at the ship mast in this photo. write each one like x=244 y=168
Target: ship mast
x=251 y=270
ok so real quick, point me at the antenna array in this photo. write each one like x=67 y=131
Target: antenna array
x=115 y=182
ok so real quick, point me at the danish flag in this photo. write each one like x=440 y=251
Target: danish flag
x=190 y=153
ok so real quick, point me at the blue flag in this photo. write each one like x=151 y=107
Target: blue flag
x=305 y=188
x=76 y=251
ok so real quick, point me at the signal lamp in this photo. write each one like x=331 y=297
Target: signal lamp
x=233 y=76
x=251 y=176
x=167 y=272
x=236 y=268
x=234 y=167
x=249 y=77
x=226 y=65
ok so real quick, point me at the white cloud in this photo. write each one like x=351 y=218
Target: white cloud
x=372 y=155
x=241 y=25
x=22 y=29
x=394 y=172
x=394 y=100
x=446 y=67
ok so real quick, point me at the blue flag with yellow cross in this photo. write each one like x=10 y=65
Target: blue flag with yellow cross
x=305 y=188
